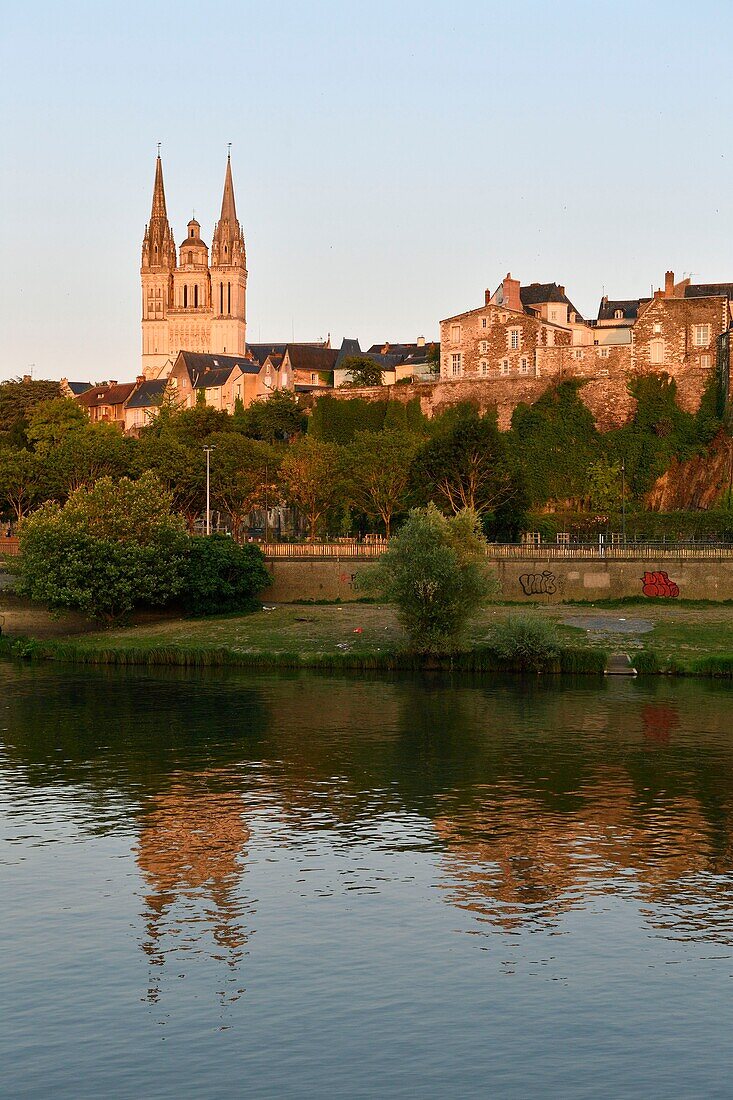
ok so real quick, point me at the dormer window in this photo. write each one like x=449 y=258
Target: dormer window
x=618 y=314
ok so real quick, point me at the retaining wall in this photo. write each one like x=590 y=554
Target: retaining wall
x=532 y=580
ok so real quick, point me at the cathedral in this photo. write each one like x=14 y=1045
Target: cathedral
x=189 y=302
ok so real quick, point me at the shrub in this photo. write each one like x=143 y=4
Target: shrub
x=435 y=573
x=223 y=576
x=526 y=643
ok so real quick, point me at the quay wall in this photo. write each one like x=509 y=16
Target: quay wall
x=533 y=579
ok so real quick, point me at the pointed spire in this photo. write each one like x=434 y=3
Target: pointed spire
x=158 y=210
x=228 y=208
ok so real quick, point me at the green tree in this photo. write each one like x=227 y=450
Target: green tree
x=180 y=466
x=603 y=486
x=241 y=468
x=378 y=470
x=18 y=397
x=435 y=572
x=465 y=465
x=21 y=480
x=85 y=454
x=110 y=548
x=363 y=371
x=223 y=576
x=277 y=418
x=50 y=422
x=309 y=479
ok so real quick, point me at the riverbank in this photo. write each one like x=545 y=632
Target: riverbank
x=673 y=638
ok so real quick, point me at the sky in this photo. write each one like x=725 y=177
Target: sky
x=391 y=159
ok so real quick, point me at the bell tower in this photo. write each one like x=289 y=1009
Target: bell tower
x=228 y=277
x=157 y=268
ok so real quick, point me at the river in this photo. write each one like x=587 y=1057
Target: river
x=300 y=885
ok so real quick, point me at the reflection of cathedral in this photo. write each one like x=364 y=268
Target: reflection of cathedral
x=192 y=843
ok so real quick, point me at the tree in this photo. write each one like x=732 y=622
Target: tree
x=50 y=423
x=465 y=465
x=181 y=468
x=435 y=572
x=223 y=576
x=85 y=454
x=17 y=398
x=309 y=477
x=241 y=468
x=20 y=480
x=378 y=466
x=277 y=418
x=109 y=549
x=363 y=371
x=603 y=486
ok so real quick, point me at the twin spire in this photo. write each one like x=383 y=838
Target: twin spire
x=227 y=247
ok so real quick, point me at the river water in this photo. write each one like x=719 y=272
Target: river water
x=293 y=885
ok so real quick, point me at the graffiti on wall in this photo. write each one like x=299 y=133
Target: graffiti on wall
x=538 y=584
x=659 y=584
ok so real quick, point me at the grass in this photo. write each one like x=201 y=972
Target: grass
x=684 y=639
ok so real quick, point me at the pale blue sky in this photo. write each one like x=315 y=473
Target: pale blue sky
x=391 y=159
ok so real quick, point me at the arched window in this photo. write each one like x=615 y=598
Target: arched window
x=185 y=297
x=229 y=299
x=190 y=257
x=196 y=296
x=618 y=314
x=221 y=297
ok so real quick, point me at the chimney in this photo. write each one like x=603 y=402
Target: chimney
x=510 y=293
x=140 y=379
x=421 y=341
x=27 y=378
x=669 y=284
x=562 y=290
x=659 y=294
x=487 y=296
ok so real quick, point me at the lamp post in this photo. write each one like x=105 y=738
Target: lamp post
x=208 y=451
x=623 y=501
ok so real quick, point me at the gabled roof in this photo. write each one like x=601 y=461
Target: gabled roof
x=199 y=365
x=106 y=395
x=212 y=379
x=537 y=294
x=629 y=306
x=311 y=357
x=709 y=290
x=78 y=388
x=348 y=349
x=261 y=351
x=148 y=394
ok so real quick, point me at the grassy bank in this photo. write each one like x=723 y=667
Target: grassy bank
x=659 y=637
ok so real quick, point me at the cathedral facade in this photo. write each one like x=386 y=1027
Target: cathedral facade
x=190 y=301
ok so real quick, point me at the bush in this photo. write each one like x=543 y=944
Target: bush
x=223 y=576
x=526 y=643
x=435 y=572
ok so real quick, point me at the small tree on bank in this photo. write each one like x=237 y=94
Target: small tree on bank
x=435 y=572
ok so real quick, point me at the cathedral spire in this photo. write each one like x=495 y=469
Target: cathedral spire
x=158 y=210
x=159 y=250
x=227 y=247
x=228 y=208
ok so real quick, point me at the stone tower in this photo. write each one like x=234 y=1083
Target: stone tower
x=228 y=277
x=188 y=305
x=157 y=269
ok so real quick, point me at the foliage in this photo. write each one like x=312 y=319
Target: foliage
x=363 y=371
x=465 y=465
x=526 y=643
x=337 y=421
x=21 y=480
x=243 y=471
x=556 y=440
x=604 y=486
x=107 y=550
x=85 y=454
x=17 y=398
x=435 y=572
x=50 y=422
x=309 y=479
x=223 y=576
x=277 y=418
x=378 y=472
x=180 y=467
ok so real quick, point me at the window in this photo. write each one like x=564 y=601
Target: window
x=196 y=296
x=190 y=257
x=701 y=335
x=483 y=346
x=456 y=364
x=314 y=378
x=229 y=298
x=221 y=297
x=484 y=367
x=504 y=368
x=484 y=322
x=185 y=297
x=514 y=339
x=524 y=366
x=705 y=362
x=577 y=353
x=657 y=327
x=656 y=352
x=603 y=353
x=455 y=334
x=618 y=314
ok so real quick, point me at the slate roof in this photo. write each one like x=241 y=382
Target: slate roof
x=147 y=394
x=629 y=306
x=347 y=349
x=536 y=294
x=261 y=351
x=78 y=388
x=312 y=357
x=106 y=395
x=709 y=290
x=200 y=365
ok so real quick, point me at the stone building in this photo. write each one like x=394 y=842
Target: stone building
x=188 y=301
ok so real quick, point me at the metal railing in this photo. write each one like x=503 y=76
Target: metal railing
x=510 y=552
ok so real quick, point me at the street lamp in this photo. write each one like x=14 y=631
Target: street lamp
x=208 y=451
x=623 y=500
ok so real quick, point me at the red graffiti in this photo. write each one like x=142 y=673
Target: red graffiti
x=659 y=584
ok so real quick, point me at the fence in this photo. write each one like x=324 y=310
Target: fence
x=500 y=551
x=8 y=547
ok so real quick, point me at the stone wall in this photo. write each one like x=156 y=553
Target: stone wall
x=536 y=580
